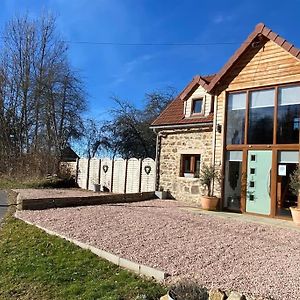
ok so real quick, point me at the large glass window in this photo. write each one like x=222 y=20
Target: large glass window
x=288 y=115
x=261 y=116
x=287 y=164
x=236 y=118
x=233 y=178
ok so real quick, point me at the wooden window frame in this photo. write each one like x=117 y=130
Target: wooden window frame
x=247 y=111
x=274 y=147
x=193 y=160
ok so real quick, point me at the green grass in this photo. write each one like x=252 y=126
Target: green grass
x=35 y=265
x=35 y=183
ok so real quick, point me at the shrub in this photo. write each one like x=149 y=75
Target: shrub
x=188 y=290
x=295 y=183
x=207 y=175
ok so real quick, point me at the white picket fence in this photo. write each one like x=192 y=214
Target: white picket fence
x=117 y=176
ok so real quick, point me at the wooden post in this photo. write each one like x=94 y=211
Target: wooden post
x=126 y=171
x=77 y=169
x=140 y=177
x=99 y=171
x=112 y=175
x=88 y=174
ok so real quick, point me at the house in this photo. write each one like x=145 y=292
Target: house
x=185 y=133
x=245 y=121
x=68 y=155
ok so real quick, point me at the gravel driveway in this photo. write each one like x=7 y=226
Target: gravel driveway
x=229 y=254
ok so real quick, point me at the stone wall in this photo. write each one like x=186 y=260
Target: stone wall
x=97 y=199
x=175 y=143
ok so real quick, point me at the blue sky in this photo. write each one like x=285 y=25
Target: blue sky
x=131 y=71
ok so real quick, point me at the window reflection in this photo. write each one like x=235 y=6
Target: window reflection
x=236 y=118
x=233 y=176
x=288 y=115
x=261 y=114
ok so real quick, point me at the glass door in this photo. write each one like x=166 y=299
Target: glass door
x=233 y=179
x=287 y=163
x=258 y=192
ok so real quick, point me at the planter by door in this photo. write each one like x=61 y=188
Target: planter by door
x=209 y=203
x=296 y=215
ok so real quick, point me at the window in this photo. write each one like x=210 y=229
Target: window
x=190 y=165
x=233 y=178
x=197 y=106
x=261 y=116
x=236 y=118
x=289 y=160
x=288 y=115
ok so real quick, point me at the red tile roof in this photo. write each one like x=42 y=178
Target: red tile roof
x=259 y=31
x=174 y=112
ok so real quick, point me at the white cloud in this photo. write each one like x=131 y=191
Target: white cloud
x=221 y=18
x=130 y=67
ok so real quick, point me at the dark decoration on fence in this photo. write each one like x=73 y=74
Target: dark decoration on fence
x=147 y=169
x=105 y=168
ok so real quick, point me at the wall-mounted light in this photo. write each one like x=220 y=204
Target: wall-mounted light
x=219 y=128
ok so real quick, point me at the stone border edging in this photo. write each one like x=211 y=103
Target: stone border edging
x=97 y=199
x=117 y=260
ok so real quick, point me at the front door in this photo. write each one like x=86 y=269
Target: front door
x=258 y=194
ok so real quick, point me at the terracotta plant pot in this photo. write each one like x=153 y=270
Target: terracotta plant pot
x=296 y=215
x=209 y=203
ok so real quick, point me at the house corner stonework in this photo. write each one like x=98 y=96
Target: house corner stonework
x=174 y=144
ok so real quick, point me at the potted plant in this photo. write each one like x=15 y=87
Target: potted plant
x=207 y=175
x=295 y=188
x=161 y=194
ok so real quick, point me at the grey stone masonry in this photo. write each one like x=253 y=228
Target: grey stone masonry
x=174 y=144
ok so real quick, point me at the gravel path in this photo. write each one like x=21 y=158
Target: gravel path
x=229 y=254
x=55 y=193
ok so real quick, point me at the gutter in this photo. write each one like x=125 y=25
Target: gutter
x=157 y=158
x=154 y=128
x=214 y=141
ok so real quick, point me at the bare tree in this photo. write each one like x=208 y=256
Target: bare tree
x=128 y=131
x=41 y=96
x=94 y=138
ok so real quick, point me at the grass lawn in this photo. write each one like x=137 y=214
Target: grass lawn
x=35 y=265
x=35 y=183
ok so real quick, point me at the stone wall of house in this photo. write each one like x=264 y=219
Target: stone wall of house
x=174 y=144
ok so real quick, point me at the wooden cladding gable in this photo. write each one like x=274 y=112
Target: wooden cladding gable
x=279 y=57
x=269 y=64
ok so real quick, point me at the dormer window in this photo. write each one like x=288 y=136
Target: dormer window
x=197 y=106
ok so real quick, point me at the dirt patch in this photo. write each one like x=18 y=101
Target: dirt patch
x=228 y=254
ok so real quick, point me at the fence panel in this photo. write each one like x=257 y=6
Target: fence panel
x=118 y=176
x=148 y=175
x=106 y=174
x=133 y=175
x=93 y=172
x=82 y=173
